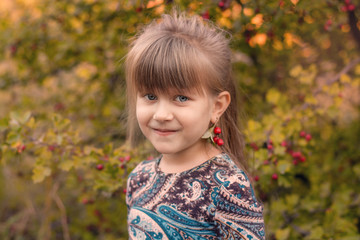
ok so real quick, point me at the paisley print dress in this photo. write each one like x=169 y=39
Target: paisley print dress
x=214 y=200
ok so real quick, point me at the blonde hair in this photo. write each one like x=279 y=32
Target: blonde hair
x=184 y=52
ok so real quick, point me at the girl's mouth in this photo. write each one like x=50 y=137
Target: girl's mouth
x=164 y=132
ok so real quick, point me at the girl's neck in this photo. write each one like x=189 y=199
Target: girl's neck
x=188 y=159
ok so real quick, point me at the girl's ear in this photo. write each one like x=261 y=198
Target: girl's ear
x=221 y=103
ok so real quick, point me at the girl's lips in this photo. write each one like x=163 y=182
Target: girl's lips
x=164 y=132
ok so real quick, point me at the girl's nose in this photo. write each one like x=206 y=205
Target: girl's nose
x=163 y=112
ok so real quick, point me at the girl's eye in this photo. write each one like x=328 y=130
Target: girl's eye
x=181 y=98
x=150 y=97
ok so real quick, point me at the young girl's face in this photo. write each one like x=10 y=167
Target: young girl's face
x=174 y=122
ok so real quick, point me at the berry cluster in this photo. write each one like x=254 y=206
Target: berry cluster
x=305 y=135
x=327 y=25
x=348 y=7
x=122 y=160
x=21 y=148
x=297 y=156
x=216 y=139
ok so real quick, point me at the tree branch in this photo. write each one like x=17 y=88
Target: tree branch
x=62 y=209
x=353 y=26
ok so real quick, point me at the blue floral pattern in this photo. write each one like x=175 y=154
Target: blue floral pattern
x=214 y=200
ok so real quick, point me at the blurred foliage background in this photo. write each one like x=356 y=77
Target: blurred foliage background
x=64 y=159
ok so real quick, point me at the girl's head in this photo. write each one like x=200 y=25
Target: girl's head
x=184 y=54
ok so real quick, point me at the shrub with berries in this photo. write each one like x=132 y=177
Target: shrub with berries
x=63 y=152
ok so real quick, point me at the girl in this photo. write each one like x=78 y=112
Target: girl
x=180 y=92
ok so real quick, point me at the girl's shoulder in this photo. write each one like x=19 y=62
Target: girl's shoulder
x=227 y=167
x=140 y=176
x=236 y=207
x=233 y=181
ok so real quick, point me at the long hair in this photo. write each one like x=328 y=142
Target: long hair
x=180 y=52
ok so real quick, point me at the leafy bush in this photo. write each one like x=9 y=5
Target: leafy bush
x=62 y=120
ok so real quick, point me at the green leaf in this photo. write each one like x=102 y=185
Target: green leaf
x=40 y=172
x=292 y=200
x=12 y=137
x=282 y=234
x=280 y=150
x=4 y=124
x=284 y=181
x=253 y=125
x=66 y=165
x=296 y=71
x=283 y=166
x=316 y=233
x=20 y=118
x=108 y=149
x=273 y=96
x=356 y=169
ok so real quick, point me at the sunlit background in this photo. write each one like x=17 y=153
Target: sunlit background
x=64 y=158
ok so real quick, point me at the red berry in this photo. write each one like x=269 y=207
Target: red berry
x=302 y=134
x=284 y=143
x=328 y=22
x=274 y=176
x=43 y=26
x=121 y=159
x=254 y=146
x=347 y=2
x=344 y=9
x=221 y=4
x=51 y=148
x=217 y=130
x=13 y=49
x=308 y=137
x=21 y=148
x=99 y=167
x=266 y=162
x=138 y=9
x=256 y=178
x=80 y=178
x=296 y=154
x=87 y=201
x=220 y=142
x=127 y=158
x=302 y=159
x=124 y=191
x=270 y=34
x=206 y=15
x=59 y=106
x=295 y=162
x=351 y=7
x=270 y=147
x=97 y=213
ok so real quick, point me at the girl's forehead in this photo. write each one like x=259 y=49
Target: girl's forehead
x=176 y=91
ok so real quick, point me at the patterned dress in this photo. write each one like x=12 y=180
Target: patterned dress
x=214 y=200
